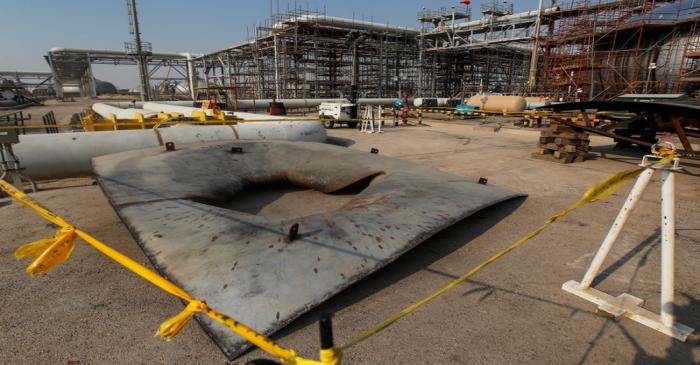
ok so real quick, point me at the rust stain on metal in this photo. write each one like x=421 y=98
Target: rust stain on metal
x=238 y=261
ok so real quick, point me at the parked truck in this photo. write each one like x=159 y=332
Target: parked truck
x=334 y=113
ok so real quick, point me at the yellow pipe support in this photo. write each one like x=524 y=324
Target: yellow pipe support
x=200 y=116
x=141 y=121
x=113 y=119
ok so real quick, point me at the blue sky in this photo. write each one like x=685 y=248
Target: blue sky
x=32 y=27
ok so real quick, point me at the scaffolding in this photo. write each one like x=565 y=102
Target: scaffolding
x=582 y=50
x=462 y=58
x=601 y=49
x=307 y=54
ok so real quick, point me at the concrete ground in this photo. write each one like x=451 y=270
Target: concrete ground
x=90 y=310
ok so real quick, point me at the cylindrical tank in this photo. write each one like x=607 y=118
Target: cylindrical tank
x=500 y=103
x=71 y=90
x=425 y=102
x=104 y=87
x=670 y=60
x=65 y=155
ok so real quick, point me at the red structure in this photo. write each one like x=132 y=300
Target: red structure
x=596 y=50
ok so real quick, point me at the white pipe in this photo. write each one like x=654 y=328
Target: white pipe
x=139 y=104
x=254 y=116
x=105 y=110
x=527 y=15
x=110 y=52
x=170 y=108
x=258 y=104
x=191 y=76
x=329 y=21
x=64 y=155
x=632 y=199
x=668 y=230
x=347 y=23
x=261 y=104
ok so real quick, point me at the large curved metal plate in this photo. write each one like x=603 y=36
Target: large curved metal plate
x=243 y=264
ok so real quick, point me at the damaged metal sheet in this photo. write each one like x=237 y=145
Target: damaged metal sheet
x=266 y=270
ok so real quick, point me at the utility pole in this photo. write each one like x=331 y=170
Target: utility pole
x=535 y=47
x=138 y=52
x=354 y=39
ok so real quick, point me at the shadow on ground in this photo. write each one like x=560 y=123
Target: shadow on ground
x=630 y=155
x=678 y=352
x=417 y=259
x=340 y=141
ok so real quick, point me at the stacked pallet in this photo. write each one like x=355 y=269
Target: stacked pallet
x=563 y=144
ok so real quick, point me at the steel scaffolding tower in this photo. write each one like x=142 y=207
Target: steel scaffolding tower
x=601 y=49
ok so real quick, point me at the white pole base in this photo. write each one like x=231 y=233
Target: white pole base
x=626 y=305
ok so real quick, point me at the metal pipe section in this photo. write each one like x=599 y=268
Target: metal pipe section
x=139 y=57
x=261 y=104
x=191 y=76
x=668 y=231
x=347 y=23
x=495 y=21
x=535 y=48
x=109 y=52
x=139 y=104
x=130 y=113
x=277 y=67
x=66 y=155
x=170 y=108
x=632 y=199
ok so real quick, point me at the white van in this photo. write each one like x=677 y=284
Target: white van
x=333 y=113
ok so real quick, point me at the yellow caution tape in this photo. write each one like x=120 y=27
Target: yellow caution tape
x=49 y=252
x=599 y=191
x=53 y=251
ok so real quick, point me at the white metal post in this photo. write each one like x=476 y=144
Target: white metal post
x=634 y=196
x=626 y=305
x=668 y=229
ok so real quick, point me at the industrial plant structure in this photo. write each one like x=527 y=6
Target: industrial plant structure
x=569 y=50
x=565 y=50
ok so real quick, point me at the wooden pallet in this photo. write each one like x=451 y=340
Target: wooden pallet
x=563 y=144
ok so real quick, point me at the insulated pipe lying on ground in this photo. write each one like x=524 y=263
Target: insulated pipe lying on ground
x=139 y=104
x=262 y=104
x=105 y=110
x=65 y=155
x=188 y=111
x=170 y=108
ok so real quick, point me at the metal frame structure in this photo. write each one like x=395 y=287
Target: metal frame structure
x=599 y=49
x=491 y=54
x=577 y=50
x=74 y=67
x=30 y=81
x=626 y=305
x=307 y=54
